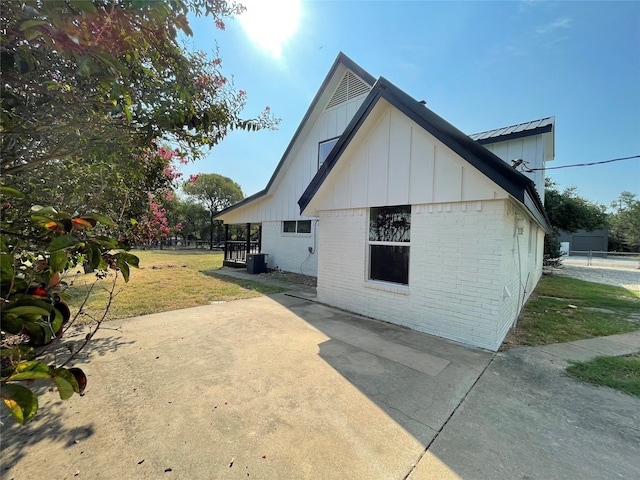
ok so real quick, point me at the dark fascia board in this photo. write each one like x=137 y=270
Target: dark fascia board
x=514 y=182
x=513 y=136
x=341 y=59
x=531 y=201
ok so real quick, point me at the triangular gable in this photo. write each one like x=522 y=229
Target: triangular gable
x=513 y=182
x=349 y=88
x=354 y=82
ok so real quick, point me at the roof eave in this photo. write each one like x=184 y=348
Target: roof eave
x=512 y=181
x=241 y=203
x=341 y=59
x=514 y=136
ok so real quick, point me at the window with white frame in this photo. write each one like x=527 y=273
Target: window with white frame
x=389 y=243
x=296 y=226
x=324 y=148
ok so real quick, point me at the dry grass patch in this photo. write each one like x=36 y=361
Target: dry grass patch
x=166 y=280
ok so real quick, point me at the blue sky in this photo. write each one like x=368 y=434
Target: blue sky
x=479 y=65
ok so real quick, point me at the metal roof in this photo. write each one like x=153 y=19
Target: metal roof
x=534 y=127
x=515 y=183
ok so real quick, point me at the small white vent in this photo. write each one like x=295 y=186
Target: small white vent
x=350 y=87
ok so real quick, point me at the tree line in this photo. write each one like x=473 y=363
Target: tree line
x=569 y=212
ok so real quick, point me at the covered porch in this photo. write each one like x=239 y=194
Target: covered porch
x=240 y=241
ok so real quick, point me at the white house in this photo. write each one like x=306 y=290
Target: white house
x=401 y=216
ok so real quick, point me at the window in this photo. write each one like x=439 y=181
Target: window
x=289 y=227
x=324 y=148
x=299 y=226
x=389 y=238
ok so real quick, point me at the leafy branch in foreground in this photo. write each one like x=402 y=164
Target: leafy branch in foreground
x=37 y=245
x=91 y=91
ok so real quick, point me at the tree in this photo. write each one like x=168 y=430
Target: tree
x=92 y=91
x=215 y=193
x=625 y=222
x=105 y=79
x=119 y=190
x=37 y=245
x=192 y=217
x=568 y=212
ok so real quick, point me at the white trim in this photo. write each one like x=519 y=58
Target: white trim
x=296 y=233
x=390 y=287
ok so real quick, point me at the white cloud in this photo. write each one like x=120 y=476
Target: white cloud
x=561 y=23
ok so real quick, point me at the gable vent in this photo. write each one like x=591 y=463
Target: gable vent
x=350 y=87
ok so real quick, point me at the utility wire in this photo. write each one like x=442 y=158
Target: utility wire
x=581 y=164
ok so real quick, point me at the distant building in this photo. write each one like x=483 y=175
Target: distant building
x=583 y=241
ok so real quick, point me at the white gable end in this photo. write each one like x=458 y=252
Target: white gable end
x=394 y=161
x=301 y=164
x=533 y=150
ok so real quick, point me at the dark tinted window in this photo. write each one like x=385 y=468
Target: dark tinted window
x=304 y=226
x=289 y=227
x=324 y=148
x=389 y=263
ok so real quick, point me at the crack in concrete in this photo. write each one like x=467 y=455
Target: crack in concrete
x=424 y=452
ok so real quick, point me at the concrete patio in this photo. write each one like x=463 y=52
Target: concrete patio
x=281 y=387
x=271 y=387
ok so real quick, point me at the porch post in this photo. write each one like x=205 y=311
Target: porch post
x=260 y=238
x=248 y=241
x=226 y=240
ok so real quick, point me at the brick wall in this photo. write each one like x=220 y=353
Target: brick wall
x=461 y=260
x=522 y=263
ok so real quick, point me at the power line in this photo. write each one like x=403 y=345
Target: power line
x=582 y=164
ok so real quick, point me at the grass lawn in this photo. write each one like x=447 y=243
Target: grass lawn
x=600 y=310
x=166 y=280
x=621 y=373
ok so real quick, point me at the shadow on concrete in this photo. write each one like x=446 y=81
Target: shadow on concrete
x=416 y=379
x=105 y=342
x=48 y=425
x=270 y=285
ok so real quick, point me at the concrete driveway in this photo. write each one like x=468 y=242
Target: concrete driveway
x=272 y=388
x=526 y=419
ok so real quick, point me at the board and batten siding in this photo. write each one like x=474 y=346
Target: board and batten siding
x=298 y=170
x=532 y=149
x=394 y=161
x=472 y=250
